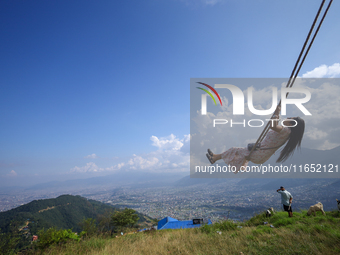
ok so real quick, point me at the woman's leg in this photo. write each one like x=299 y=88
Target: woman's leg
x=216 y=157
x=234 y=157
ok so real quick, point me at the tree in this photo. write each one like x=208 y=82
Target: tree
x=89 y=226
x=105 y=223
x=125 y=218
x=9 y=241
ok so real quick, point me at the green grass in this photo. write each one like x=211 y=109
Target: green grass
x=300 y=234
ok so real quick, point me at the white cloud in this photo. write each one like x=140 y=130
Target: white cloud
x=315 y=134
x=172 y=154
x=113 y=168
x=138 y=162
x=12 y=173
x=324 y=71
x=92 y=156
x=90 y=167
x=167 y=143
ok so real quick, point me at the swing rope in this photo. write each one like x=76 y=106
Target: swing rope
x=293 y=74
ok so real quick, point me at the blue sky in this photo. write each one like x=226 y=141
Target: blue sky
x=112 y=78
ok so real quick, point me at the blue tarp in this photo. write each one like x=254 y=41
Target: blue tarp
x=171 y=223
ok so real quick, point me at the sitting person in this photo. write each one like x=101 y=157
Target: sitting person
x=290 y=133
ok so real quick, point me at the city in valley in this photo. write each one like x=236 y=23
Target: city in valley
x=235 y=199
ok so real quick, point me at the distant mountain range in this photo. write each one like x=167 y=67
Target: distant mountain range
x=131 y=179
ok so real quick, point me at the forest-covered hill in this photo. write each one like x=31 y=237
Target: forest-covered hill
x=63 y=212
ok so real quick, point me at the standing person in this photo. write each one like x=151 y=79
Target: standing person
x=286 y=199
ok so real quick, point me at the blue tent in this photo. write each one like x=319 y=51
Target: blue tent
x=171 y=223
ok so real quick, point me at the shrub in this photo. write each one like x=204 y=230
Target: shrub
x=124 y=219
x=54 y=236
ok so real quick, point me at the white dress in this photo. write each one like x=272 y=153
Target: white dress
x=235 y=156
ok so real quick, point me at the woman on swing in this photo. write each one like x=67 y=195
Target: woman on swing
x=291 y=134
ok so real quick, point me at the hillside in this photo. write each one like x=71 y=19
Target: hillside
x=301 y=234
x=63 y=212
